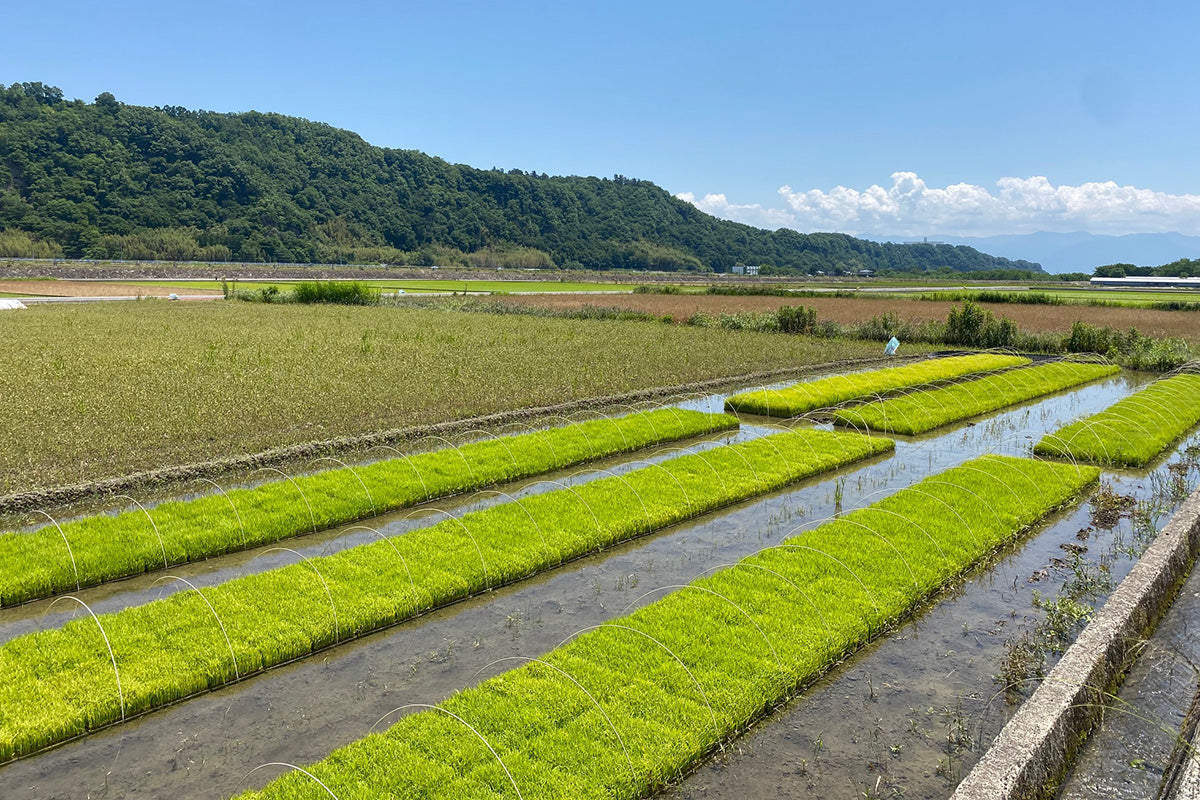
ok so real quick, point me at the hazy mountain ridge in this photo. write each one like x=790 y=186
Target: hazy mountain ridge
x=1081 y=251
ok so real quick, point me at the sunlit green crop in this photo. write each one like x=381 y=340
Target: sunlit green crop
x=102 y=548
x=1132 y=431
x=60 y=683
x=826 y=392
x=625 y=708
x=925 y=410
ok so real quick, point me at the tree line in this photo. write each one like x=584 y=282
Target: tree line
x=110 y=180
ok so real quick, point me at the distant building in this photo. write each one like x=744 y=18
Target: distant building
x=744 y=269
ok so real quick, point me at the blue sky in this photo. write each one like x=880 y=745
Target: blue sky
x=966 y=118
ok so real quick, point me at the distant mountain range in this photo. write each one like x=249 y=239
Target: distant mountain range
x=109 y=180
x=1080 y=252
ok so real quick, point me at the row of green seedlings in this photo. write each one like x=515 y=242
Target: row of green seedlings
x=630 y=705
x=800 y=398
x=98 y=670
x=922 y=411
x=88 y=551
x=1134 y=430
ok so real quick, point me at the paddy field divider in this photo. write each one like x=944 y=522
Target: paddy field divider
x=925 y=410
x=88 y=551
x=624 y=708
x=1134 y=430
x=102 y=669
x=799 y=398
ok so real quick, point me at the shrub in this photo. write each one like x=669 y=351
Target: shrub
x=797 y=319
x=346 y=293
x=977 y=327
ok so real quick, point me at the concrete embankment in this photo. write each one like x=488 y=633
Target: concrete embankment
x=1030 y=755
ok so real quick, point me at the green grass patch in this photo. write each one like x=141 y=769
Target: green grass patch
x=1132 y=431
x=925 y=410
x=825 y=392
x=61 y=683
x=95 y=549
x=626 y=708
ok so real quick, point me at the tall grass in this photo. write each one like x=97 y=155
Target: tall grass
x=623 y=709
x=345 y=293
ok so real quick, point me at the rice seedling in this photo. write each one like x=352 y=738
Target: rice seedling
x=925 y=410
x=625 y=708
x=1132 y=431
x=62 y=682
x=95 y=549
x=98 y=390
x=801 y=397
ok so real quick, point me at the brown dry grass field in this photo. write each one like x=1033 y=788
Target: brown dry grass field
x=93 y=289
x=1036 y=318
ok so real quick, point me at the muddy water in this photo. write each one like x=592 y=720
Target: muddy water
x=1125 y=758
x=298 y=713
x=911 y=714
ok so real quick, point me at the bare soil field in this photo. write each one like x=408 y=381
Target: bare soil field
x=40 y=288
x=1035 y=318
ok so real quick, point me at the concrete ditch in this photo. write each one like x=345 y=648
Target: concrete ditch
x=1033 y=751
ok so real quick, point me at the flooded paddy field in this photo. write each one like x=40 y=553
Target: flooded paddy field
x=906 y=716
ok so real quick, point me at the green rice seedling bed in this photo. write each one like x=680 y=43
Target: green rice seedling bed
x=925 y=410
x=1134 y=430
x=810 y=395
x=61 y=683
x=627 y=707
x=103 y=548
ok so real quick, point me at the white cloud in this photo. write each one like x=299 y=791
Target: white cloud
x=754 y=214
x=1016 y=205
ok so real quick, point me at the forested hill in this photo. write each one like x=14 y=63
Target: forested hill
x=109 y=180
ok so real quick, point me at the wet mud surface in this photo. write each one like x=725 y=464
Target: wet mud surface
x=1128 y=754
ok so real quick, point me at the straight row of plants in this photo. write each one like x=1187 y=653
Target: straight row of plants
x=623 y=709
x=824 y=392
x=91 y=550
x=1133 y=430
x=925 y=410
x=60 y=683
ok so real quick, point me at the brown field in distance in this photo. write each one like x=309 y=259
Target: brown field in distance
x=1036 y=318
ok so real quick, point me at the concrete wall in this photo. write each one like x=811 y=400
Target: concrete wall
x=1033 y=751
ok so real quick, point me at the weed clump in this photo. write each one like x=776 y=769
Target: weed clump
x=345 y=293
